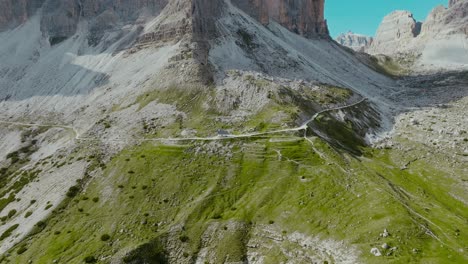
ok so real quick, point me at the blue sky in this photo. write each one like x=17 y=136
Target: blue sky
x=364 y=16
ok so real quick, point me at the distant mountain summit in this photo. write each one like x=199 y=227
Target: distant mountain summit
x=354 y=41
x=440 y=40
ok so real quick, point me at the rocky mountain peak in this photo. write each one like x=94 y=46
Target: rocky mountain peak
x=355 y=41
x=395 y=32
x=442 y=37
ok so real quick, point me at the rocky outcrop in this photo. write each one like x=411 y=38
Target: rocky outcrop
x=395 y=33
x=304 y=17
x=441 y=39
x=454 y=2
x=60 y=18
x=447 y=21
x=15 y=12
x=354 y=41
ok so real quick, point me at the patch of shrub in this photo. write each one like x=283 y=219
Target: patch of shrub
x=144 y=187
x=152 y=252
x=28 y=214
x=96 y=199
x=73 y=191
x=217 y=216
x=14 y=156
x=21 y=250
x=184 y=238
x=8 y=232
x=48 y=207
x=11 y=213
x=271 y=222
x=90 y=259
x=105 y=237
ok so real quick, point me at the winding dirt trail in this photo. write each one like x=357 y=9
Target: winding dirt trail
x=303 y=127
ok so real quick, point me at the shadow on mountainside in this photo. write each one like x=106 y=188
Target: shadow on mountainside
x=430 y=90
x=33 y=64
x=71 y=80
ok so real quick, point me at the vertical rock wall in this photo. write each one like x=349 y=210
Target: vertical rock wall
x=304 y=17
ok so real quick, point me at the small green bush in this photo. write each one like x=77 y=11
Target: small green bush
x=96 y=199
x=11 y=213
x=47 y=207
x=28 y=214
x=73 y=191
x=21 y=250
x=41 y=224
x=217 y=216
x=184 y=238
x=8 y=232
x=90 y=259
x=105 y=237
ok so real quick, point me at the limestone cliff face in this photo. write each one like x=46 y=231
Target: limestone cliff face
x=354 y=41
x=440 y=40
x=454 y=2
x=447 y=21
x=395 y=33
x=60 y=18
x=304 y=17
x=15 y=12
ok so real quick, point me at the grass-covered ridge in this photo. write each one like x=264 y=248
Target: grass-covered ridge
x=175 y=202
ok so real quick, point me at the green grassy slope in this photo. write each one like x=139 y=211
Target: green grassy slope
x=160 y=203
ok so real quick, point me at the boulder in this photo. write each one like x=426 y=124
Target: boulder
x=376 y=252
